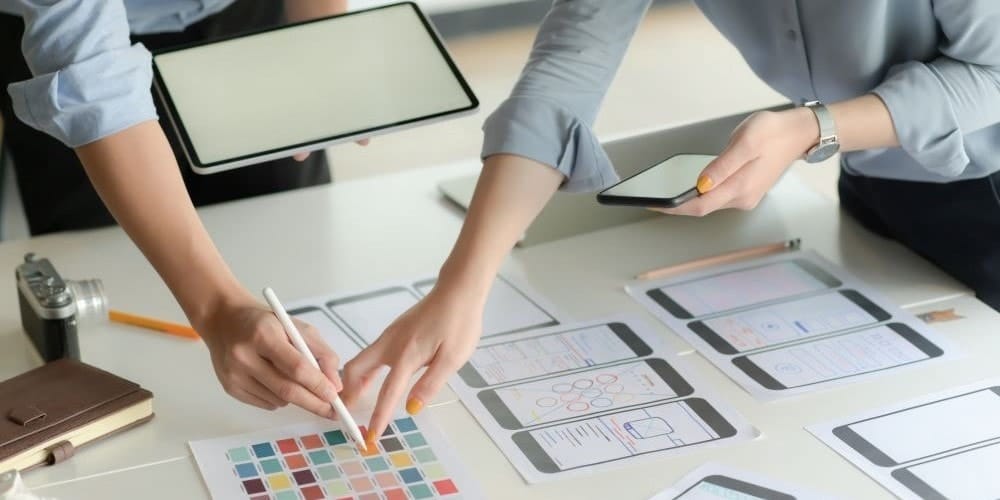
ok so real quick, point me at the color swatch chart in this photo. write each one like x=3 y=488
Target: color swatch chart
x=788 y=324
x=316 y=461
x=574 y=399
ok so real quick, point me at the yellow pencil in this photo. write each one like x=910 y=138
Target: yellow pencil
x=153 y=324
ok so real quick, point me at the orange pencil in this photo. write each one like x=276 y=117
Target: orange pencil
x=725 y=258
x=153 y=324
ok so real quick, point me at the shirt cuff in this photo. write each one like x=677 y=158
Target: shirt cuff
x=925 y=123
x=90 y=99
x=545 y=132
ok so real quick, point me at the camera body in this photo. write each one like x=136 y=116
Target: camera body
x=52 y=308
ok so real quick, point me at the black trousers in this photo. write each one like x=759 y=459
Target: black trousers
x=56 y=193
x=956 y=225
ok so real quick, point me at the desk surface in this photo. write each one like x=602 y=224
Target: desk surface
x=360 y=233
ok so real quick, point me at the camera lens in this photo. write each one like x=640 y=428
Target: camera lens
x=91 y=303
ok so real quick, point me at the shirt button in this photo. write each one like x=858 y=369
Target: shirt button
x=792 y=35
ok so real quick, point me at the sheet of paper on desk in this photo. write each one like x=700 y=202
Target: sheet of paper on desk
x=316 y=460
x=945 y=445
x=578 y=398
x=714 y=481
x=791 y=323
x=349 y=322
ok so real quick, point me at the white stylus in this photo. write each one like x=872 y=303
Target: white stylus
x=296 y=338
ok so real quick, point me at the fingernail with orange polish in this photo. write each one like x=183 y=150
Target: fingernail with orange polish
x=705 y=183
x=414 y=405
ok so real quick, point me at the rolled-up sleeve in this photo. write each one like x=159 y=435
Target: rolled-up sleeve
x=550 y=112
x=935 y=104
x=88 y=80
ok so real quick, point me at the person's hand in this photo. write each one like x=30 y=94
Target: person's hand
x=439 y=332
x=303 y=156
x=258 y=365
x=759 y=151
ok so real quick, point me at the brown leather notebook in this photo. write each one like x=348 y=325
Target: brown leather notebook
x=50 y=411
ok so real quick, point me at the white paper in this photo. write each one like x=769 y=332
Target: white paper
x=945 y=445
x=714 y=481
x=578 y=398
x=790 y=323
x=234 y=469
x=351 y=321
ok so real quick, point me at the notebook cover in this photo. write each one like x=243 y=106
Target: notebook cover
x=69 y=393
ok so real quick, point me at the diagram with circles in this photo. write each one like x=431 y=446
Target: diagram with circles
x=584 y=393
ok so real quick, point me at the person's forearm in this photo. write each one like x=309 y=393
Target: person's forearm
x=512 y=190
x=863 y=123
x=304 y=10
x=135 y=173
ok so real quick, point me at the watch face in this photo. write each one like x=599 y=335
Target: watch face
x=822 y=152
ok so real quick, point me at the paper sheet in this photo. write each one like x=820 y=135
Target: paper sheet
x=316 y=460
x=790 y=323
x=720 y=482
x=945 y=445
x=349 y=322
x=578 y=398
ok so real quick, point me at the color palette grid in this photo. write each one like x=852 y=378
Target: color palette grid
x=326 y=465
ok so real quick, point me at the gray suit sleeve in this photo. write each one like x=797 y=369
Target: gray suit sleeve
x=935 y=104
x=549 y=114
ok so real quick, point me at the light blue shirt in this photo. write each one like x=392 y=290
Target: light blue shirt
x=935 y=64
x=89 y=80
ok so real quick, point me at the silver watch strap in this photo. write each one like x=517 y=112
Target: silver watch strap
x=827 y=129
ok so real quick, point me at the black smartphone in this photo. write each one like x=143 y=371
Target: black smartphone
x=906 y=436
x=799 y=319
x=548 y=400
x=716 y=486
x=623 y=434
x=552 y=353
x=666 y=184
x=741 y=288
x=871 y=350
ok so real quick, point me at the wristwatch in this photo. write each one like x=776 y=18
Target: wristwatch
x=828 y=144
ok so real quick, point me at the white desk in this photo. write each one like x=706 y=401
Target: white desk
x=359 y=233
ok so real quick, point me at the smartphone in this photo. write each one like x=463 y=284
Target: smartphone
x=552 y=353
x=343 y=343
x=741 y=288
x=727 y=488
x=908 y=435
x=607 y=438
x=612 y=387
x=368 y=315
x=666 y=184
x=788 y=321
x=837 y=357
x=967 y=474
x=508 y=310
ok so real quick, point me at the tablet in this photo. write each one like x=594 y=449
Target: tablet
x=273 y=93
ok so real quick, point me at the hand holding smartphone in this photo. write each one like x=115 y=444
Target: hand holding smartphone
x=666 y=184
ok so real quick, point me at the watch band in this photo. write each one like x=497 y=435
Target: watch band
x=827 y=129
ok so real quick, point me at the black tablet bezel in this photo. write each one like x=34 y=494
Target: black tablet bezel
x=188 y=145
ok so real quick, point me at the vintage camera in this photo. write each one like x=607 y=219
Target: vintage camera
x=52 y=308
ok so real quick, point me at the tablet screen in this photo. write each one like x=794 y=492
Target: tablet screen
x=288 y=88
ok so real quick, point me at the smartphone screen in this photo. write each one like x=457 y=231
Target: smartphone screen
x=727 y=488
x=593 y=391
x=668 y=179
x=340 y=341
x=508 y=310
x=368 y=315
x=742 y=288
x=909 y=435
x=846 y=355
x=970 y=474
x=552 y=353
x=787 y=321
x=620 y=435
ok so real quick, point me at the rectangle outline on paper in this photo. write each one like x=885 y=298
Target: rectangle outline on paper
x=571 y=328
x=329 y=304
x=553 y=321
x=734 y=360
x=925 y=489
x=325 y=312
